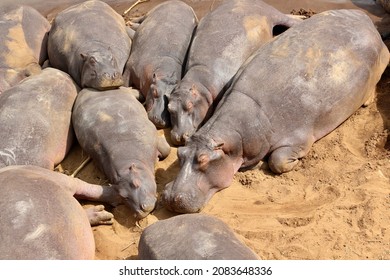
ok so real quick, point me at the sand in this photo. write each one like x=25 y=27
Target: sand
x=334 y=205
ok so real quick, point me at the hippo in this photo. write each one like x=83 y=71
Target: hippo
x=112 y=127
x=90 y=42
x=35 y=120
x=195 y=237
x=158 y=52
x=273 y=112
x=23 y=46
x=224 y=39
x=41 y=218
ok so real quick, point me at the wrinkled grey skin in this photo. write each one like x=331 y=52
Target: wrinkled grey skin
x=113 y=128
x=192 y=237
x=158 y=54
x=35 y=120
x=291 y=93
x=23 y=33
x=40 y=217
x=223 y=40
x=90 y=42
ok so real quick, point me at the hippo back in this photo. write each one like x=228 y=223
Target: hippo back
x=23 y=47
x=35 y=120
x=40 y=220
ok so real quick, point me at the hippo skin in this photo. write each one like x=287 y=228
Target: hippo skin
x=192 y=237
x=158 y=52
x=90 y=42
x=23 y=45
x=41 y=218
x=385 y=4
x=113 y=128
x=289 y=94
x=223 y=40
x=35 y=120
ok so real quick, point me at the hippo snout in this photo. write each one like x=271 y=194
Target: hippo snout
x=145 y=208
x=182 y=201
x=177 y=139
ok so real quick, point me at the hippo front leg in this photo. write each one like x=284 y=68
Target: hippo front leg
x=163 y=148
x=285 y=158
x=98 y=216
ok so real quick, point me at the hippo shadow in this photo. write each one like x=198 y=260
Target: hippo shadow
x=373 y=8
x=383 y=103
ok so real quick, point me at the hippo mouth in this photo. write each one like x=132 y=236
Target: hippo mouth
x=108 y=84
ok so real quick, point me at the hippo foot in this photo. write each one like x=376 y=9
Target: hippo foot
x=98 y=216
x=283 y=159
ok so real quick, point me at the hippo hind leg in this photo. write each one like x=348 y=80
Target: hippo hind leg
x=285 y=158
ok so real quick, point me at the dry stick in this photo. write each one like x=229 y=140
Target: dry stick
x=132 y=6
x=83 y=164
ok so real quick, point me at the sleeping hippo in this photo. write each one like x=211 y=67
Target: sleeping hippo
x=158 y=53
x=23 y=33
x=90 y=42
x=223 y=40
x=289 y=94
x=40 y=217
x=192 y=237
x=113 y=128
x=35 y=120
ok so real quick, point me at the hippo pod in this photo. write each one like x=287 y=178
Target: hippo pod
x=90 y=42
x=23 y=45
x=35 y=120
x=40 y=217
x=275 y=113
x=112 y=127
x=158 y=54
x=192 y=237
x=224 y=39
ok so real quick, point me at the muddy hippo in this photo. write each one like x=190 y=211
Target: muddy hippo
x=223 y=40
x=90 y=42
x=195 y=237
x=113 y=128
x=23 y=33
x=158 y=53
x=289 y=94
x=40 y=217
x=35 y=120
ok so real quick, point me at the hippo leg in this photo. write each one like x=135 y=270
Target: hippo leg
x=163 y=148
x=98 y=216
x=285 y=158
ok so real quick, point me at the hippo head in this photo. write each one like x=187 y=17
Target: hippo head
x=205 y=169
x=188 y=109
x=156 y=103
x=137 y=188
x=100 y=71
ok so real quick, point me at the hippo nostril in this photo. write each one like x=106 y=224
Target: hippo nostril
x=106 y=75
x=116 y=75
x=186 y=136
x=147 y=208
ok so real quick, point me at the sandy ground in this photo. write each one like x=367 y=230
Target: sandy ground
x=334 y=205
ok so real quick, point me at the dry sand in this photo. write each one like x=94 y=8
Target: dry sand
x=334 y=205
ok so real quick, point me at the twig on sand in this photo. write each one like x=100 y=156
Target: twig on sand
x=83 y=164
x=132 y=6
x=132 y=243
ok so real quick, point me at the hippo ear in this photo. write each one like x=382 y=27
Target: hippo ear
x=84 y=56
x=189 y=105
x=154 y=77
x=203 y=160
x=194 y=91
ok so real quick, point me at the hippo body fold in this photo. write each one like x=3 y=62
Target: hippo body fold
x=195 y=237
x=112 y=127
x=90 y=42
x=35 y=120
x=41 y=218
x=289 y=94
x=23 y=45
x=158 y=55
x=224 y=39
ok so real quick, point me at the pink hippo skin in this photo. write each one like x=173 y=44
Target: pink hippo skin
x=223 y=40
x=158 y=55
x=113 y=128
x=289 y=94
x=35 y=120
x=41 y=218
x=23 y=33
x=90 y=42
